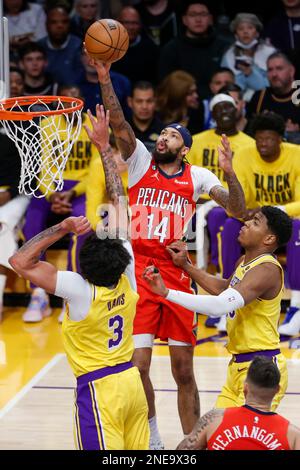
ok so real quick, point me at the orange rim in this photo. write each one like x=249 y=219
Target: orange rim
x=6 y=114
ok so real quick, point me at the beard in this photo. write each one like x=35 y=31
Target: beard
x=166 y=157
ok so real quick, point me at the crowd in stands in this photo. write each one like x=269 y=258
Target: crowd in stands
x=212 y=71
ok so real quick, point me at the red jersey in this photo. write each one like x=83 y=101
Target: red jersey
x=245 y=428
x=162 y=205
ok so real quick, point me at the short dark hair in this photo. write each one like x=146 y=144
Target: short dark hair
x=103 y=261
x=142 y=85
x=267 y=121
x=279 y=223
x=17 y=70
x=263 y=373
x=280 y=55
x=187 y=3
x=232 y=87
x=32 y=47
x=221 y=70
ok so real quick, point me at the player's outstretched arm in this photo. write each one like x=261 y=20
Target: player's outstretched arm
x=26 y=261
x=232 y=200
x=212 y=305
x=99 y=135
x=179 y=254
x=123 y=132
x=207 y=424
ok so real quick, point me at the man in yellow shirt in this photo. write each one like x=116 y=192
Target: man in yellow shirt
x=111 y=411
x=269 y=172
x=250 y=298
x=69 y=201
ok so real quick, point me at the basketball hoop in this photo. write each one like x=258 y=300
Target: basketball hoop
x=44 y=129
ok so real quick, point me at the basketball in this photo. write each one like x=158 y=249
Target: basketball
x=106 y=40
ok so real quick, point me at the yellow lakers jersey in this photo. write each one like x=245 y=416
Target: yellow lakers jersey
x=104 y=337
x=254 y=326
x=82 y=152
x=276 y=183
x=204 y=151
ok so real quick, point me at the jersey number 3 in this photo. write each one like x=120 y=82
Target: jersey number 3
x=116 y=324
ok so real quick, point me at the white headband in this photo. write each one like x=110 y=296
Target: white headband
x=220 y=98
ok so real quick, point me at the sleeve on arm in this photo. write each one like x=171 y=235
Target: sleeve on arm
x=212 y=305
x=76 y=292
x=138 y=163
x=203 y=180
x=130 y=271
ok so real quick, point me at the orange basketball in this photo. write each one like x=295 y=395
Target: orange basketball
x=106 y=40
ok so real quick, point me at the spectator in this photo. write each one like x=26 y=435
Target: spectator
x=198 y=51
x=177 y=101
x=26 y=22
x=159 y=20
x=278 y=96
x=269 y=173
x=12 y=205
x=86 y=13
x=236 y=93
x=91 y=92
x=140 y=60
x=144 y=121
x=247 y=57
x=283 y=30
x=33 y=61
x=220 y=78
x=62 y=48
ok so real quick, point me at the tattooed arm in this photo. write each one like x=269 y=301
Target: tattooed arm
x=203 y=429
x=26 y=261
x=117 y=215
x=99 y=135
x=123 y=132
x=232 y=200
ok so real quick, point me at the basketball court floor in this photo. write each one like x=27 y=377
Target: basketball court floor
x=36 y=383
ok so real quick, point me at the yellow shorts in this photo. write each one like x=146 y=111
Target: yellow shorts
x=232 y=392
x=112 y=413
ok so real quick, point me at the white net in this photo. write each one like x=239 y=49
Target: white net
x=44 y=142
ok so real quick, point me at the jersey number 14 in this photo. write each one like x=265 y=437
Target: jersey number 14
x=160 y=231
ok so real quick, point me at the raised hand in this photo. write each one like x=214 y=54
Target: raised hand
x=99 y=134
x=178 y=252
x=155 y=281
x=102 y=68
x=78 y=225
x=225 y=155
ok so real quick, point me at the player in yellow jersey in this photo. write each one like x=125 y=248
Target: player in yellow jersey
x=251 y=299
x=111 y=410
x=269 y=172
x=70 y=201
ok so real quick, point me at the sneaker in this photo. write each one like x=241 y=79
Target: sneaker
x=211 y=322
x=38 y=308
x=156 y=444
x=62 y=314
x=221 y=326
x=293 y=327
x=289 y=314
